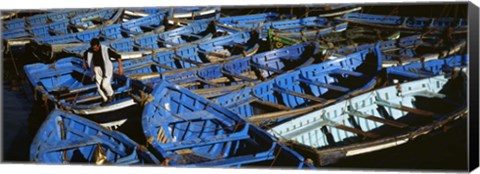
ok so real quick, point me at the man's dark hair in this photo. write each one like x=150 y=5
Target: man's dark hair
x=94 y=41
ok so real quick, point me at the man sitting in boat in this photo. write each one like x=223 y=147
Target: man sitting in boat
x=98 y=60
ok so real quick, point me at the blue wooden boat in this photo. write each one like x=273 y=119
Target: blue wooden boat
x=407 y=23
x=175 y=13
x=306 y=89
x=376 y=120
x=313 y=33
x=222 y=48
x=188 y=130
x=68 y=86
x=244 y=21
x=359 y=36
x=47 y=48
x=143 y=11
x=335 y=40
x=195 y=32
x=424 y=69
x=12 y=34
x=153 y=22
x=78 y=23
x=405 y=50
x=66 y=138
x=56 y=15
x=40 y=19
x=17 y=23
x=222 y=78
x=294 y=27
x=63 y=25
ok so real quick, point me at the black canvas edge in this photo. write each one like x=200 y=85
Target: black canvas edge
x=473 y=121
x=473 y=50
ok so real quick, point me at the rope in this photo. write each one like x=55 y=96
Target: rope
x=13 y=60
x=276 y=156
x=78 y=93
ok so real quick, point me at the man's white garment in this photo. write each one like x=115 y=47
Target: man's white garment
x=102 y=79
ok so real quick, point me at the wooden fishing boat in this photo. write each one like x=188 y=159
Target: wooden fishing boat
x=188 y=58
x=37 y=38
x=424 y=69
x=68 y=86
x=332 y=40
x=306 y=89
x=295 y=28
x=406 y=23
x=174 y=13
x=359 y=36
x=376 y=120
x=405 y=50
x=142 y=29
x=243 y=21
x=151 y=23
x=19 y=27
x=222 y=78
x=313 y=33
x=76 y=24
x=65 y=138
x=41 y=19
x=188 y=130
x=218 y=49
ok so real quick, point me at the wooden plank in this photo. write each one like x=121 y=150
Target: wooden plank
x=273 y=105
x=89 y=99
x=163 y=66
x=144 y=76
x=305 y=96
x=187 y=60
x=377 y=119
x=77 y=90
x=208 y=82
x=357 y=131
x=233 y=74
x=415 y=111
x=387 y=122
x=270 y=104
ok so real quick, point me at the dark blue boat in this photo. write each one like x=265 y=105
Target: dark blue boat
x=405 y=50
x=49 y=48
x=425 y=69
x=408 y=23
x=41 y=19
x=188 y=55
x=66 y=26
x=219 y=79
x=295 y=28
x=67 y=85
x=188 y=130
x=245 y=21
x=67 y=138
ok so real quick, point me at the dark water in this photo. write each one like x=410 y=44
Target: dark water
x=439 y=151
